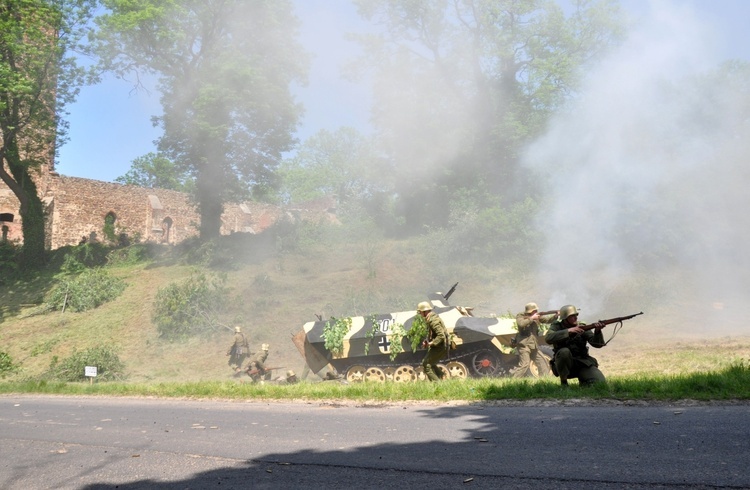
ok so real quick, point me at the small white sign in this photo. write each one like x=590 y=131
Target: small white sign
x=90 y=371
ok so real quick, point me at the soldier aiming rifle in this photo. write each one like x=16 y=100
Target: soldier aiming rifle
x=569 y=339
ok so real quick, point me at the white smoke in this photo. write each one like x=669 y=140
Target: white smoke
x=648 y=144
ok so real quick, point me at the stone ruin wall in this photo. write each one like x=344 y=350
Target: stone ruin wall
x=78 y=207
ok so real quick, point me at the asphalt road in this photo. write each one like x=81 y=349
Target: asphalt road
x=108 y=443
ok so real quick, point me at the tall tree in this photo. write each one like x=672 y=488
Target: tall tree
x=344 y=164
x=225 y=68
x=152 y=170
x=38 y=78
x=461 y=85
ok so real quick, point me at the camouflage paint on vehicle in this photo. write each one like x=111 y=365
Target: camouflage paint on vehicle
x=483 y=344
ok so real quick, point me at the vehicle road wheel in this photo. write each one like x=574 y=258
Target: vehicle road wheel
x=404 y=374
x=442 y=369
x=356 y=374
x=419 y=373
x=375 y=374
x=389 y=372
x=485 y=363
x=458 y=370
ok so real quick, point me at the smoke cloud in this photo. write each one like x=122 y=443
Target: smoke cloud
x=647 y=171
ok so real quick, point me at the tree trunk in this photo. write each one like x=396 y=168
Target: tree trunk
x=210 y=207
x=31 y=209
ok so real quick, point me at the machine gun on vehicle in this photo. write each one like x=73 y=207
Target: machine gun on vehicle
x=447 y=295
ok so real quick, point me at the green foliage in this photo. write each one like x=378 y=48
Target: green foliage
x=397 y=335
x=479 y=80
x=417 y=333
x=228 y=113
x=370 y=334
x=486 y=235
x=731 y=383
x=9 y=258
x=81 y=257
x=109 y=227
x=154 y=170
x=130 y=255
x=88 y=290
x=105 y=359
x=7 y=366
x=190 y=308
x=344 y=164
x=334 y=332
x=38 y=49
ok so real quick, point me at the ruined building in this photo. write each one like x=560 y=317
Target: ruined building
x=80 y=209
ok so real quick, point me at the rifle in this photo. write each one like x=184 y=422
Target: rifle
x=550 y=312
x=610 y=321
x=253 y=372
x=617 y=320
x=450 y=291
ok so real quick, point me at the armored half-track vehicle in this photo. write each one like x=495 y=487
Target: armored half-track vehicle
x=483 y=345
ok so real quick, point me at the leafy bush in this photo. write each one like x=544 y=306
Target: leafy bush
x=132 y=254
x=91 y=288
x=190 y=308
x=7 y=366
x=84 y=256
x=334 y=332
x=9 y=253
x=488 y=235
x=105 y=359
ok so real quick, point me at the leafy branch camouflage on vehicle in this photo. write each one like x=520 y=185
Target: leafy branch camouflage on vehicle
x=367 y=351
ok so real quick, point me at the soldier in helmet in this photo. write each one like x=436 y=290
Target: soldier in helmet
x=436 y=342
x=526 y=343
x=256 y=368
x=238 y=351
x=291 y=378
x=572 y=359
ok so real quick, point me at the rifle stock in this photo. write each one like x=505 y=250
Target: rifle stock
x=610 y=321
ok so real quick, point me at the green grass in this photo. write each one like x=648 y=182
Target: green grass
x=729 y=384
x=668 y=354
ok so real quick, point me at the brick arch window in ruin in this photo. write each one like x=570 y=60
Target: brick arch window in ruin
x=5 y=218
x=166 y=226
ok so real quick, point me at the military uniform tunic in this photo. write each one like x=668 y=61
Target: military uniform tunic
x=238 y=351
x=527 y=345
x=572 y=359
x=437 y=346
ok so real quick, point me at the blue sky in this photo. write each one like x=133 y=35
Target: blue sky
x=110 y=126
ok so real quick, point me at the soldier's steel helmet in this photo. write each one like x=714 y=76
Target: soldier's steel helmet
x=264 y=346
x=289 y=373
x=237 y=329
x=567 y=311
x=531 y=307
x=424 y=306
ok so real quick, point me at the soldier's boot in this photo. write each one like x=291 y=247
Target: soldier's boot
x=564 y=381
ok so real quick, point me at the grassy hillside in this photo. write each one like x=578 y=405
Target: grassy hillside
x=275 y=289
